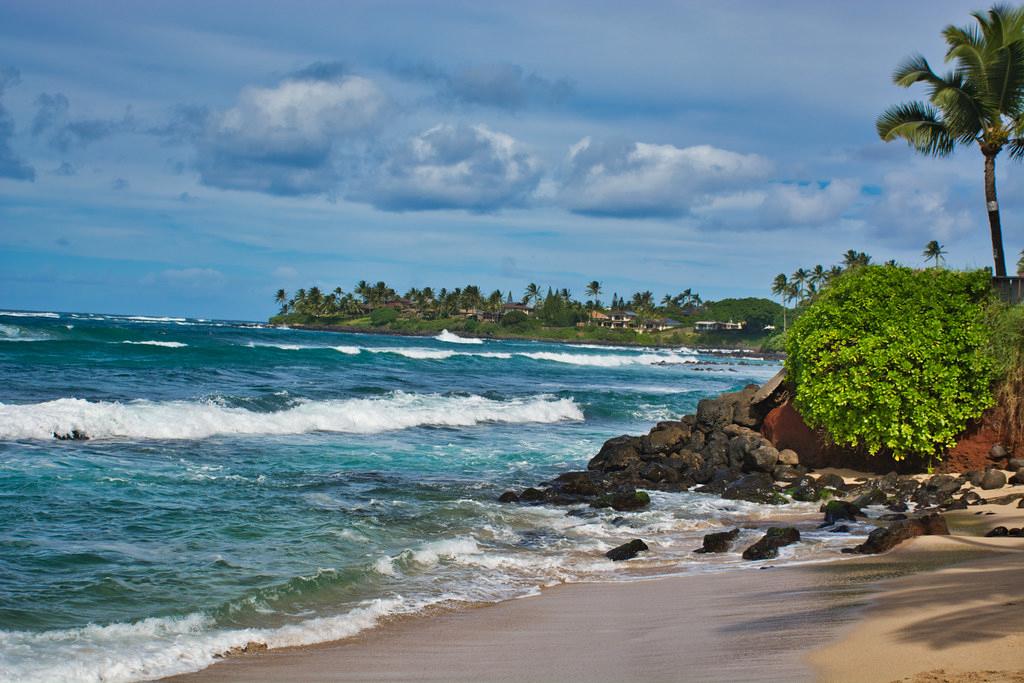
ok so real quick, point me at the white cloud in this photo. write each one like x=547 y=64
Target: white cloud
x=640 y=179
x=285 y=139
x=780 y=205
x=453 y=167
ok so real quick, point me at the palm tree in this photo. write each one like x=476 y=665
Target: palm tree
x=933 y=251
x=780 y=288
x=981 y=101
x=594 y=291
x=853 y=259
x=818 y=277
x=281 y=298
x=531 y=294
x=799 y=280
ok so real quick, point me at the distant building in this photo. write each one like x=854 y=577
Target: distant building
x=618 y=320
x=523 y=308
x=658 y=325
x=718 y=326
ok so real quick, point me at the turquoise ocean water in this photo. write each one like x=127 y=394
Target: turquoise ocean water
x=246 y=483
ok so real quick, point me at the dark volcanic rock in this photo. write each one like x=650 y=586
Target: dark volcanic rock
x=998 y=532
x=73 y=435
x=576 y=484
x=665 y=436
x=623 y=501
x=787 y=456
x=756 y=487
x=1018 y=477
x=718 y=542
x=626 y=551
x=886 y=538
x=786 y=473
x=531 y=495
x=617 y=454
x=715 y=413
x=839 y=529
x=832 y=481
x=997 y=452
x=768 y=547
x=838 y=510
x=993 y=479
x=508 y=497
x=761 y=459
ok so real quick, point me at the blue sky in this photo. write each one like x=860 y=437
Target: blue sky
x=190 y=158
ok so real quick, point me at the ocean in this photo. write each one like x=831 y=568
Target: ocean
x=246 y=483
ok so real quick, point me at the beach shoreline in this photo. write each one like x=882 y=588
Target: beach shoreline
x=818 y=621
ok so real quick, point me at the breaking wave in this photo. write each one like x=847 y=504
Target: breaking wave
x=609 y=360
x=150 y=342
x=144 y=419
x=453 y=338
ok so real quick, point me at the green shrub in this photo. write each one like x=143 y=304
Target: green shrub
x=514 y=319
x=892 y=359
x=383 y=316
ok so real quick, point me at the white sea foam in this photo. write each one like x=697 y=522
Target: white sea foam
x=610 y=360
x=151 y=342
x=348 y=350
x=197 y=420
x=13 y=333
x=453 y=338
x=158 y=647
x=153 y=319
x=28 y=314
x=417 y=353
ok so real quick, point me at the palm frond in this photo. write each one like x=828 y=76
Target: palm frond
x=919 y=124
x=1015 y=148
x=914 y=69
x=1006 y=79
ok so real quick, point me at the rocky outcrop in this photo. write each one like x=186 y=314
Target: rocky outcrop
x=887 y=538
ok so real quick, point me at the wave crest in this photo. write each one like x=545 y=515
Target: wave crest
x=453 y=338
x=144 y=419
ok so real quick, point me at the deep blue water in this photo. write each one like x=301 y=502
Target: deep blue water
x=245 y=483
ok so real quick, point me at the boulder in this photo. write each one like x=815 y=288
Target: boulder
x=508 y=497
x=769 y=388
x=975 y=477
x=838 y=510
x=998 y=532
x=972 y=498
x=719 y=542
x=886 y=538
x=664 y=437
x=768 y=547
x=761 y=459
x=531 y=495
x=787 y=456
x=576 y=484
x=1018 y=478
x=626 y=500
x=617 y=454
x=715 y=413
x=626 y=551
x=872 y=496
x=786 y=473
x=832 y=481
x=744 y=412
x=756 y=487
x=998 y=452
x=1015 y=464
x=993 y=479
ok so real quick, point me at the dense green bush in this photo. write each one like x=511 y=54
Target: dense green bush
x=893 y=359
x=516 y=319
x=383 y=316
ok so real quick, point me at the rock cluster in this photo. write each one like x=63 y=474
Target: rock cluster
x=887 y=538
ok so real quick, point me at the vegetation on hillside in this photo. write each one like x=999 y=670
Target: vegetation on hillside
x=538 y=312
x=893 y=359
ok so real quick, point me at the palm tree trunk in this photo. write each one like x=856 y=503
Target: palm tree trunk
x=993 y=214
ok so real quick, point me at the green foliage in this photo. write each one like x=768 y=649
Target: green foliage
x=383 y=316
x=756 y=312
x=515 y=319
x=893 y=359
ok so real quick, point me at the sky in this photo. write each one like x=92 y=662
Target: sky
x=190 y=158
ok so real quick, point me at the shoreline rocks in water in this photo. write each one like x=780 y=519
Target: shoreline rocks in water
x=723 y=450
x=626 y=551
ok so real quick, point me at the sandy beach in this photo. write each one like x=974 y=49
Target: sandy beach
x=935 y=609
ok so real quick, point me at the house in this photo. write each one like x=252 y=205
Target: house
x=618 y=320
x=598 y=316
x=658 y=325
x=718 y=326
x=523 y=308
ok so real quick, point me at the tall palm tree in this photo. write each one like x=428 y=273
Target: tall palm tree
x=780 y=288
x=799 y=280
x=281 y=298
x=594 y=291
x=933 y=251
x=853 y=259
x=981 y=101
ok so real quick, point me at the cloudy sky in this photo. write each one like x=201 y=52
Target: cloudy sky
x=190 y=158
